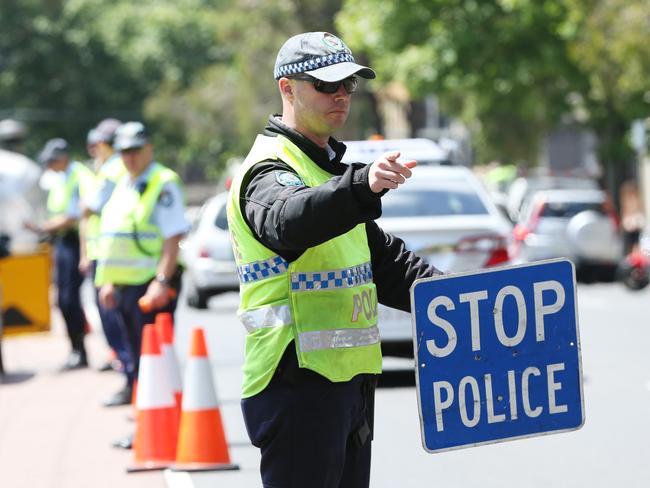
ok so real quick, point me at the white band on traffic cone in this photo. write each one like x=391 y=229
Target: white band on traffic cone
x=199 y=391
x=174 y=374
x=154 y=387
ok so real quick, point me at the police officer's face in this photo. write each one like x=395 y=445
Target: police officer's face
x=58 y=165
x=104 y=151
x=92 y=150
x=319 y=113
x=137 y=159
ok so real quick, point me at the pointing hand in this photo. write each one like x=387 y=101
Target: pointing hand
x=388 y=172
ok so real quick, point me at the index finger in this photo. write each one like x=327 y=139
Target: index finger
x=403 y=167
x=390 y=156
x=410 y=164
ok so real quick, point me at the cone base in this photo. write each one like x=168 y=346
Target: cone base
x=148 y=466
x=196 y=467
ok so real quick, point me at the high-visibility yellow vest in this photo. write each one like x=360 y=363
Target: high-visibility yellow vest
x=112 y=170
x=129 y=245
x=325 y=300
x=79 y=178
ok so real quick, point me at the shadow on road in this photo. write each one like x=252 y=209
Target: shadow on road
x=15 y=377
x=396 y=378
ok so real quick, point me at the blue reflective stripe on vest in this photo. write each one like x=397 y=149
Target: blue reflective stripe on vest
x=260 y=270
x=326 y=280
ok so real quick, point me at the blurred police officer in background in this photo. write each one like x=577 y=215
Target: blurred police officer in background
x=141 y=226
x=21 y=198
x=312 y=266
x=64 y=210
x=12 y=135
x=108 y=169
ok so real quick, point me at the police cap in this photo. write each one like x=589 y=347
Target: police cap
x=52 y=150
x=131 y=135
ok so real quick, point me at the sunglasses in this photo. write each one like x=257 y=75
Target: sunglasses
x=349 y=84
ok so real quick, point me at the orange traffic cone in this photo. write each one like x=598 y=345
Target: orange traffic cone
x=154 y=445
x=201 y=439
x=165 y=330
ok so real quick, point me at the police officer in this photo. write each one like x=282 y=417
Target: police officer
x=12 y=135
x=108 y=170
x=312 y=265
x=64 y=209
x=141 y=226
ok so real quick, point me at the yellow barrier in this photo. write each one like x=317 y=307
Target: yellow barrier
x=25 y=285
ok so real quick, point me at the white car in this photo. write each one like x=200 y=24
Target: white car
x=579 y=224
x=425 y=151
x=207 y=254
x=445 y=215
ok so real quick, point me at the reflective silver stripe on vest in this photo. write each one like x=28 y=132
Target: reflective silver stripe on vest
x=129 y=263
x=260 y=270
x=266 y=317
x=329 y=280
x=338 y=338
x=131 y=235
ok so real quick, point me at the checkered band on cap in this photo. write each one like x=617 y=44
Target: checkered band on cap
x=312 y=64
x=328 y=280
x=260 y=270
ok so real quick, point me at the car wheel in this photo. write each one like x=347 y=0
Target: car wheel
x=196 y=298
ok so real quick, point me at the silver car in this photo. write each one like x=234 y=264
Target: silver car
x=206 y=251
x=523 y=188
x=445 y=215
x=578 y=224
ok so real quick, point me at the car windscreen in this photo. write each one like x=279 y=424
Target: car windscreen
x=222 y=219
x=569 y=209
x=432 y=202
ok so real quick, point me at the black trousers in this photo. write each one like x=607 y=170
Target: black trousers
x=312 y=432
x=68 y=282
x=114 y=330
x=134 y=321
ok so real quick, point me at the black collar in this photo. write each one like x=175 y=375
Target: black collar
x=317 y=154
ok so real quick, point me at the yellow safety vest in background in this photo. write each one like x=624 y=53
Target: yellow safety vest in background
x=112 y=170
x=129 y=245
x=325 y=300
x=78 y=178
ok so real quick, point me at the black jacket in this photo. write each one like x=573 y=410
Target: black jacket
x=289 y=217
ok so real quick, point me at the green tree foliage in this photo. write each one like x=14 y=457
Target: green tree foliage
x=513 y=68
x=198 y=71
x=53 y=72
x=216 y=116
x=611 y=48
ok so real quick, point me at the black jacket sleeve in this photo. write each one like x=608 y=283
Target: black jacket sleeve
x=292 y=218
x=394 y=268
x=289 y=218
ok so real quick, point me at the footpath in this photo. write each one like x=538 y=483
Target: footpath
x=54 y=431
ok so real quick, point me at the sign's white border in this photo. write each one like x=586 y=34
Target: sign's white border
x=415 y=351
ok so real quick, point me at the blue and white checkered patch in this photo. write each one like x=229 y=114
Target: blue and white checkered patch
x=329 y=280
x=312 y=64
x=260 y=270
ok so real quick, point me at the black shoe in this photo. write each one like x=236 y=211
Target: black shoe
x=76 y=360
x=125 y=442
x=105 y=367
x=122 y=397
x=112 y=365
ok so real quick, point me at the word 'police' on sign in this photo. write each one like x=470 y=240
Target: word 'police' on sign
x=498 y=355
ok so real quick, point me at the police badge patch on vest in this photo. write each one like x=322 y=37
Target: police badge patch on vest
x=166 y=199
x=286 y=178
